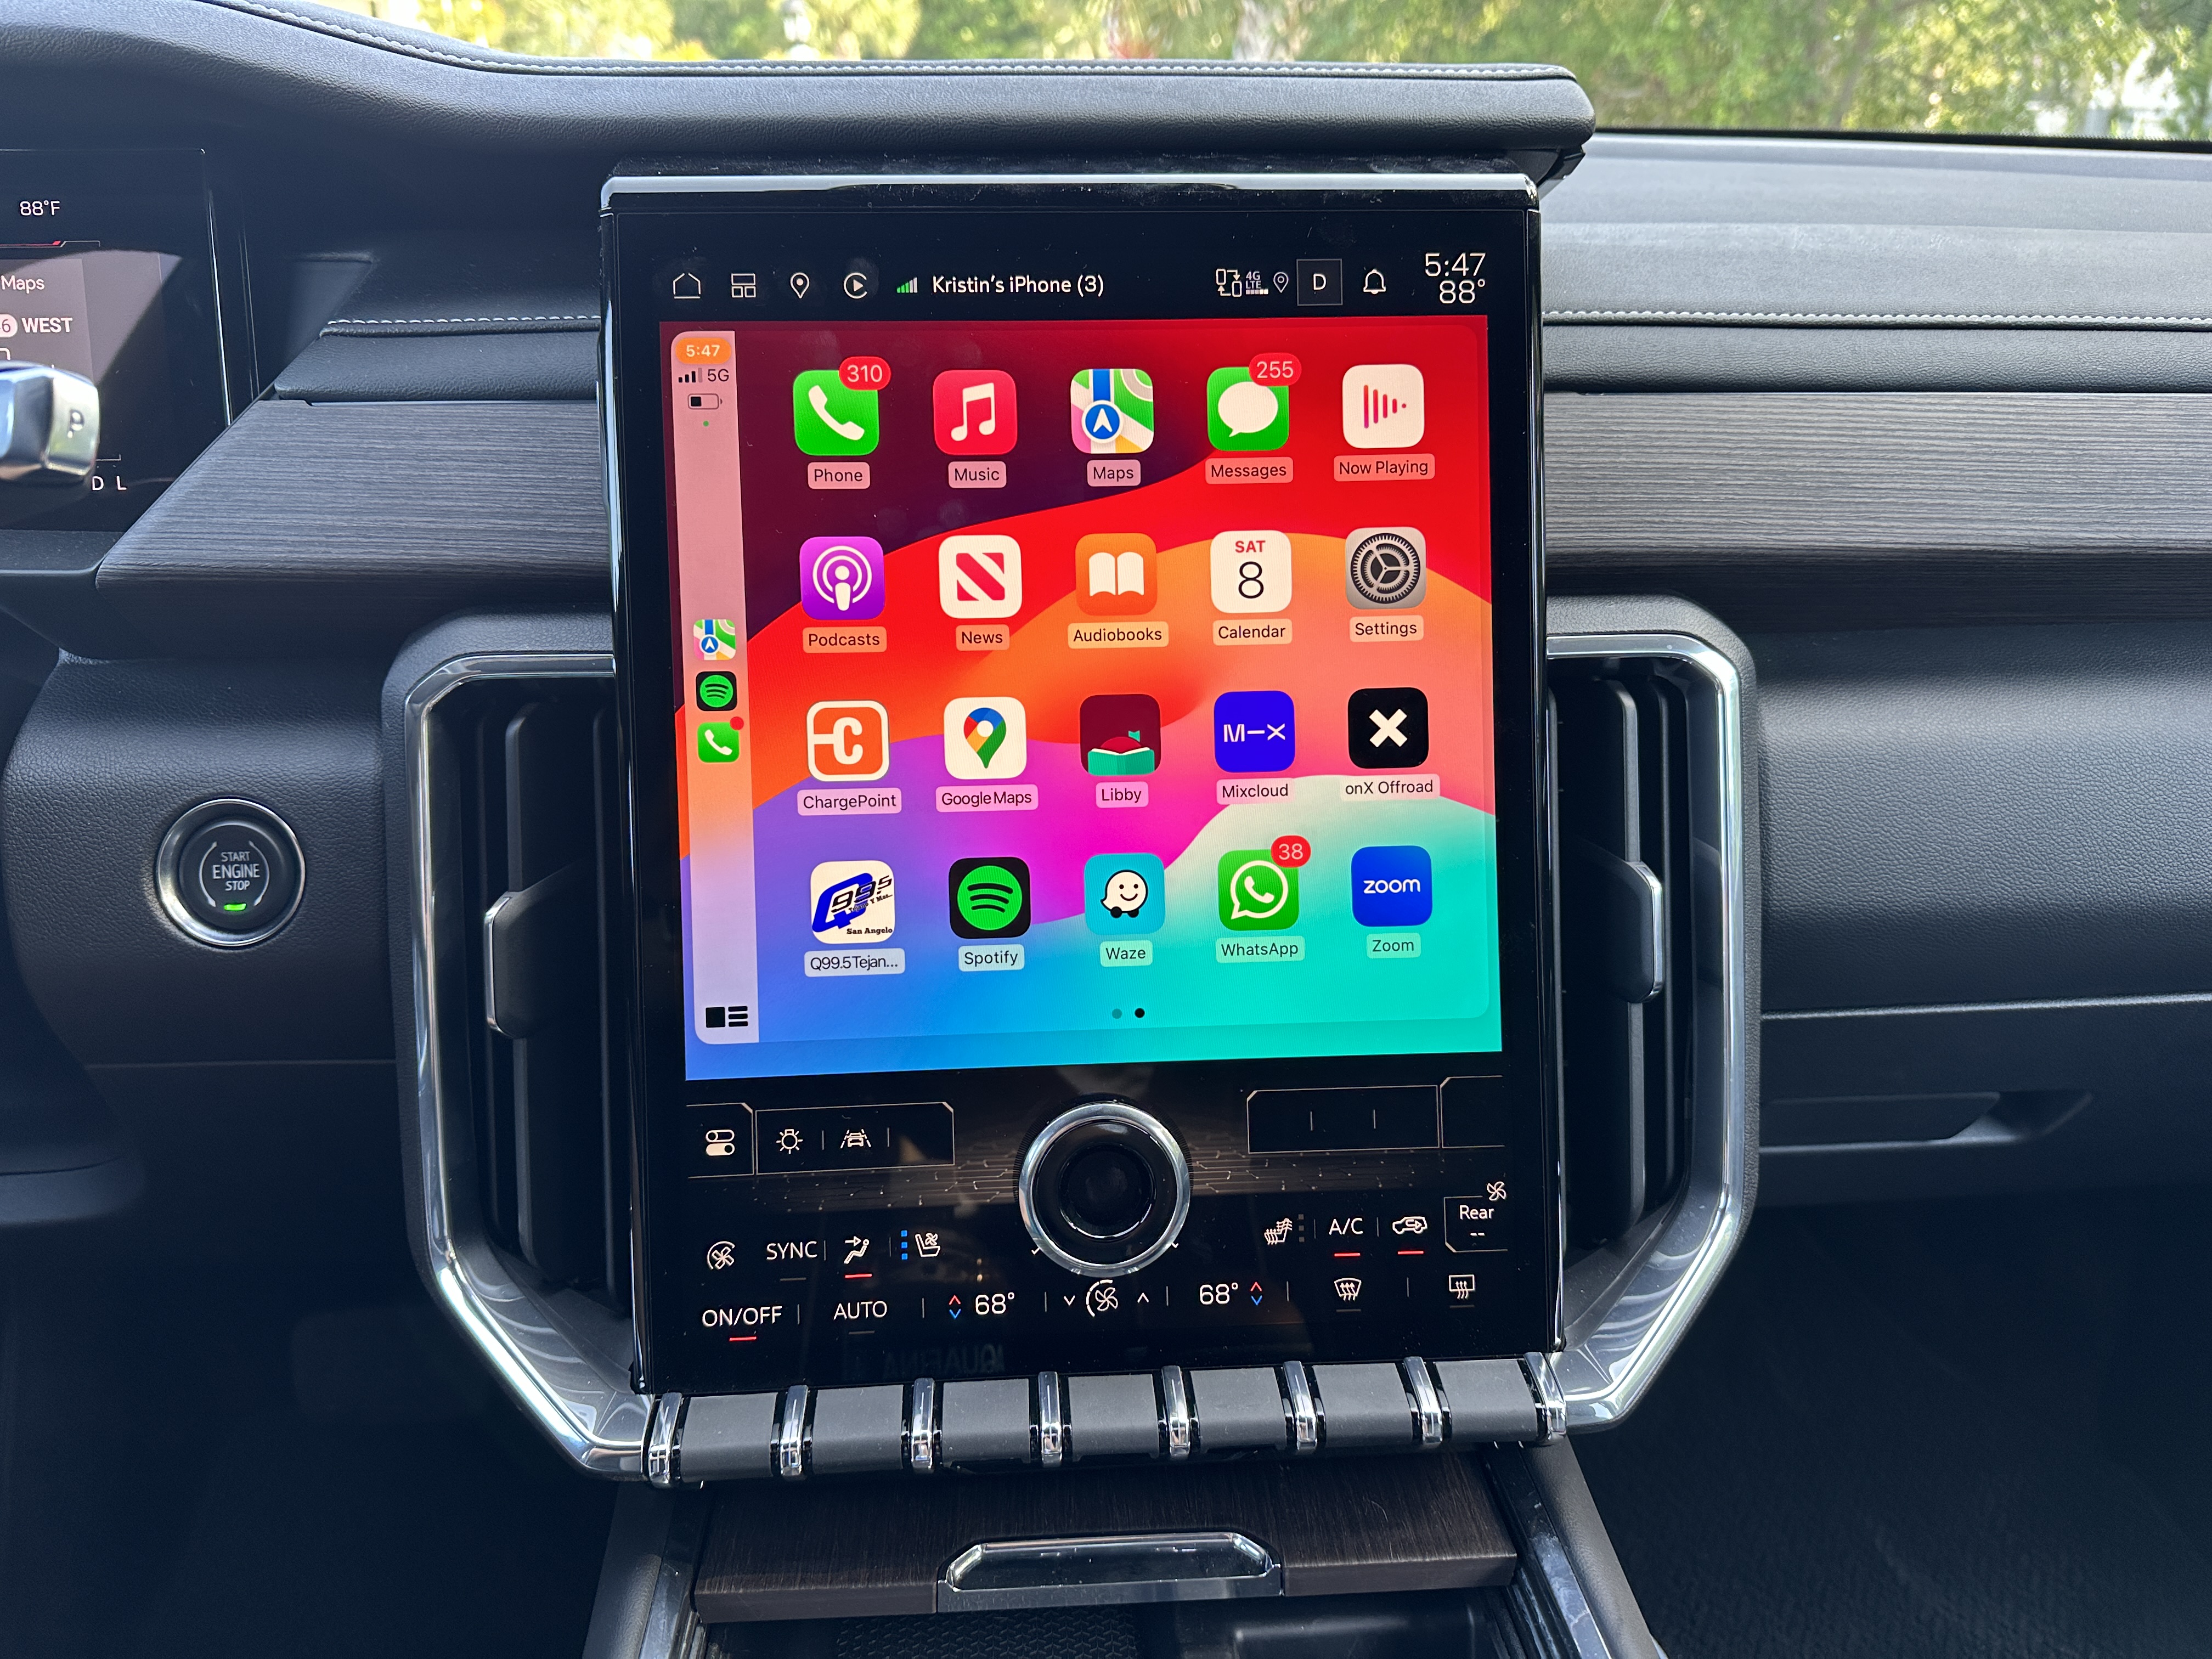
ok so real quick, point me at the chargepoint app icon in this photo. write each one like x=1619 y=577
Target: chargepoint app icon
x=848 y=742
x=840 y=577
x=1256 y=893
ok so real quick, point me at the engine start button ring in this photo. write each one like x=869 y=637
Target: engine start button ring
x=1104 y=1189
x=229 y=872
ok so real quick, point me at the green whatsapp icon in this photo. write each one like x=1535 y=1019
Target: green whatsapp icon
x=1255 y=893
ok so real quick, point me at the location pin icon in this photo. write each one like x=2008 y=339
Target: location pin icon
x=799 y=283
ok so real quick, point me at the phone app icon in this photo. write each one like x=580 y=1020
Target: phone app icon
x=1242 y=414
x=829 y=417
x=973 y=412
x=1386 y=570
x=840 y=577
x=852 y=901
x=1387 y=727
x=979 y=577
x=715 y=689
x=849 y=741
x=1110 y=411
x=989 y=897
x=1383 y=406
x=1116 y=575
x=716 y=639
x=1255 y=731
x=1120 y=736
x=1392 y=886
x=1255 y=893
x=718 y=741
x=1124 y=893
x=1251 y=570
x=986 y=738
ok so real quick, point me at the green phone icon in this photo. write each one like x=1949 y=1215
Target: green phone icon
x=829 y=417
x=1255 y=893
x=718 y=741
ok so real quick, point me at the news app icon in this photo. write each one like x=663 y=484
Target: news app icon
x=979 y=578
x=1255 y=731
x=986 y=738
x=1383 y=406
x=973 y=412
x=849 y=741
x=840 y=577
x=852 y=901
x=1116 y=575
x=1392 y=886
x=1110 y=411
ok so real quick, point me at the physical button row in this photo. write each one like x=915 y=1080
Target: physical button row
x=1046 y=1421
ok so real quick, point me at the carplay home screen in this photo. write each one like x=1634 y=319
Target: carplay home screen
x=1075 y=693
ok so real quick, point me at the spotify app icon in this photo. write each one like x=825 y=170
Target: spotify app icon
x=990 y=898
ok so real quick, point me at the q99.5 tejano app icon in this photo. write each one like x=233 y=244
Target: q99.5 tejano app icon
x=851 y=901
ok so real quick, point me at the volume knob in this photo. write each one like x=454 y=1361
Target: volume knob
x=1104 y=1189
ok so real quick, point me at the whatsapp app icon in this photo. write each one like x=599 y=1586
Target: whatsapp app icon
x=1255 y=893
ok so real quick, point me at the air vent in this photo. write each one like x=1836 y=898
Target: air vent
x=1628 y=951
x=537 y=839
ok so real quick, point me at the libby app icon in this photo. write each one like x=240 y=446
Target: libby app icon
x=852 y=901
x=716 y=640
x=840 y=577
x=986 y=738
x=1119 y=736
x=1114 y=575
x=973 y=412
x=849 y=741
x=1255 y=731
x=1124 y=893
x=1383 y=406
x=1110 y=411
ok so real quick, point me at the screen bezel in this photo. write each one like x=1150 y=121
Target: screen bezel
x=639 y=479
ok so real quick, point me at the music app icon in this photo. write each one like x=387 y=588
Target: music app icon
x=973 y=412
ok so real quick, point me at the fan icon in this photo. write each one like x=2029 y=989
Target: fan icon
x=721 y=1254
x=789 y=1140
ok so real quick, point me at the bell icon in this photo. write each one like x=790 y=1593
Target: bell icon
x=1374 y=284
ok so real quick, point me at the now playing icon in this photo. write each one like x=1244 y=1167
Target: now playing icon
x=1388 y=727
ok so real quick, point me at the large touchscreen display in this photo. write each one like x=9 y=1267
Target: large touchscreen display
x=1099 y=691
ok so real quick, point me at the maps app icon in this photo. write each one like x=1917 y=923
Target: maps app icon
x=1110 y=411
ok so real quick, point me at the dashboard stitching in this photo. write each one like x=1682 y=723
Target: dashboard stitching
x=1871 y=317
x=594 y=66
x=403 y=322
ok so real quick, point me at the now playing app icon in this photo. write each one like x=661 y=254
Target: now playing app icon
x=1387 y=727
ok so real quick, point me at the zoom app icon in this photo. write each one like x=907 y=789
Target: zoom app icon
x=1386 y=570
x=990 y=898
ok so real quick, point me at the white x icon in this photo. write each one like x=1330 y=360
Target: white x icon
x=1386 y=728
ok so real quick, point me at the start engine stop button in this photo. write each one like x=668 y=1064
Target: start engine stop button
x=230 y=873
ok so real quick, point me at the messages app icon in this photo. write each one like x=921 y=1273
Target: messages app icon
x=1256 y=893
x=829 y=417
x=1243 y=414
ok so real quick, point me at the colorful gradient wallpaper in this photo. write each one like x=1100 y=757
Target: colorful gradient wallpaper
x=1082 y=693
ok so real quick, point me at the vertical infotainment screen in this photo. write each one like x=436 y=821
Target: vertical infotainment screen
x=1078 y=644
x=1072 y=693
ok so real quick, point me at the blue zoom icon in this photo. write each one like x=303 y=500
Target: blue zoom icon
x=1392 y=886
x=1255 y=731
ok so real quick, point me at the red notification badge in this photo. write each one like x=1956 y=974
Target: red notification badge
x=1275 y=369
x=1291 y=851
x=864 y=373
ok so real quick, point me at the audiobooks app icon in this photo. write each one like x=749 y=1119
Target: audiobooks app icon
x=1115 y=575
x=848 y=742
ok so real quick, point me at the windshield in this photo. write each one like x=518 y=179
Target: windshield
x=2103 y=68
